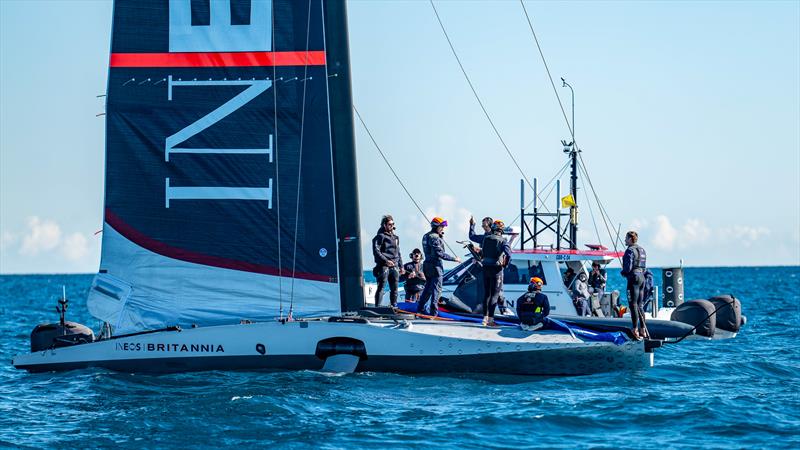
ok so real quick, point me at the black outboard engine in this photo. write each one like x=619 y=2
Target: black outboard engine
x=697 y=313
x=729 y=318
x=62 y=334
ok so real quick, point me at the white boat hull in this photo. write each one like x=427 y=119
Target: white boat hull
x=388 y=346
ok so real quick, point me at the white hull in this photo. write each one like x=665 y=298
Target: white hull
x=388 y=346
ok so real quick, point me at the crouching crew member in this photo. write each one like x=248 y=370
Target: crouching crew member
x=432 y=268
x=634 y=262
x=413 y=277
x=388 y=262
x=533 y=307
x=496 y=256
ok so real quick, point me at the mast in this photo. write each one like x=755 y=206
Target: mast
x=572 y=149
x=573 y=189
x=351 y=277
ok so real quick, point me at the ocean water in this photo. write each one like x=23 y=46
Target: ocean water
x=740 y=393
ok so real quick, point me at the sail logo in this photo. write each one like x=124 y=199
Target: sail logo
x=172 y=348
x=220 y=26
x=255 y=88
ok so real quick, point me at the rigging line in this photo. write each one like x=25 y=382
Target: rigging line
x=555 y=91
x=300 y=159
x=591 y=213
x=558 y=174
x=553 y=186
x=603 y=213
x=397 y=177
x=582 y=168
x=477 y=97
x=277 y=176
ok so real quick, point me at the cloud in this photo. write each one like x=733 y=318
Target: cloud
x=695 y=233
x=746 y=235
x=75 y=247
x=446 y=207
x=42 y=235
x=665 y=234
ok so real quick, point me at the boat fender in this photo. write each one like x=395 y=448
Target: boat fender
x=699 y=313
x=260 y=348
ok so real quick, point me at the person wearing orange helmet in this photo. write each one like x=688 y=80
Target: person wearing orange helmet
x=533 y=307
x=432 y=268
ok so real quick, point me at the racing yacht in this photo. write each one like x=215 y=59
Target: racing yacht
x=231 y=235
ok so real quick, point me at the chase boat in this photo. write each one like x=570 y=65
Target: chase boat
x=668 y=316
x=231 y=228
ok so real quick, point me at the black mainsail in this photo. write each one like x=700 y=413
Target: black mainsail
x=230 y=168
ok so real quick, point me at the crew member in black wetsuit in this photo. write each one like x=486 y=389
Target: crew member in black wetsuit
x=433 y=248
x=413 y=276
x=388 y=262
x=533 y=307
x=496 y=256
x=634 y=263
x=486 y=224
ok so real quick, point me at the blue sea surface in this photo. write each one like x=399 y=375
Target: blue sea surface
x=739 y=393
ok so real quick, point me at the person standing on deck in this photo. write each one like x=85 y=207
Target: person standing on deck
x=414 y=278
x=388 y=262
x=486 y=224
x=634 y=263
x=432 y=268
x=496 y=256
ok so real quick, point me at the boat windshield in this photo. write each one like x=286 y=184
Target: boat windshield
x=458 y=273
x=520 y=272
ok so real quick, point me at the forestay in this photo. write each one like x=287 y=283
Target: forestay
x=219 y=201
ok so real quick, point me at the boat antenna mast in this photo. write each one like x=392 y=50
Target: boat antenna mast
x=571 y=230
x=572 y=149
x=552 y=221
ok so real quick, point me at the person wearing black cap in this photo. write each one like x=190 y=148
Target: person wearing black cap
x=388 y=262
x=413 y=277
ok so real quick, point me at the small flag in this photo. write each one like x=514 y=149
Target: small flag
x=568 y=201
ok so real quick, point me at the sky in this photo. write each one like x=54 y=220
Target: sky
x=687 y=114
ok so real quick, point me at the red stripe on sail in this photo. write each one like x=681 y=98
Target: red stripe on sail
x=218 y=59
x=148 y=243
